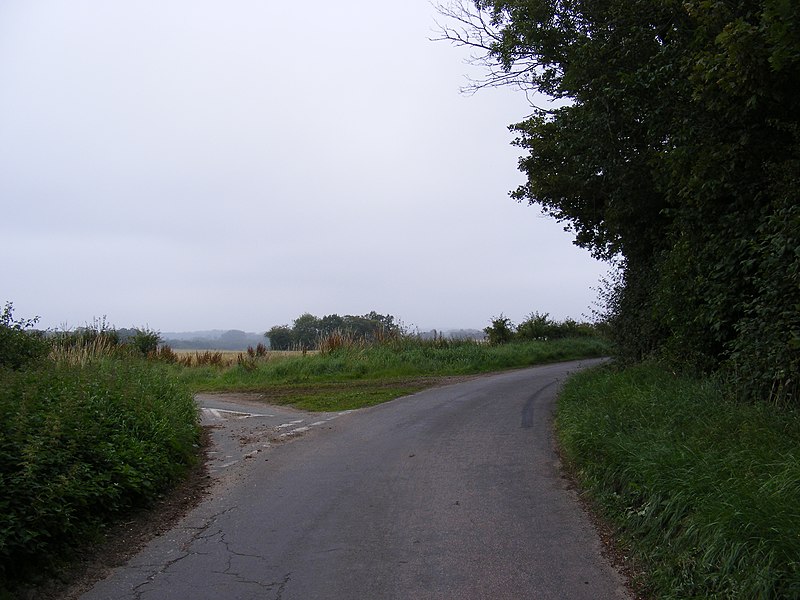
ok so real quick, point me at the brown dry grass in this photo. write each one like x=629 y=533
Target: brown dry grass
x=227 y=358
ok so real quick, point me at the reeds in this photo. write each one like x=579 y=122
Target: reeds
x=82 y=351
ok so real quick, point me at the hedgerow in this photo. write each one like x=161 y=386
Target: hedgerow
x=81 y=444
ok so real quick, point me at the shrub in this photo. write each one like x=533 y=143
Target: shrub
x=18 y=345
x=99 y=334
x=500 y=331
x=145 y=340
x=537 y=327
x=81 y=444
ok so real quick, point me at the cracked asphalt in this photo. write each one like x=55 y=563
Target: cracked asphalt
x=454 y=492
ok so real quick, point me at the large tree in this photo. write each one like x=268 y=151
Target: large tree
x=672 y=146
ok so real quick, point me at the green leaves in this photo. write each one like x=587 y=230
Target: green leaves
x=79 y=445
x=500 y=331
x=19 y=346
x=308 y=330
x=677 y=153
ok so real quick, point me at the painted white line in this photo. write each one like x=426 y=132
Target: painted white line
x=218 y=413
x=317 y=423
x=289 y=424
x=337 y=415
x=297 y=431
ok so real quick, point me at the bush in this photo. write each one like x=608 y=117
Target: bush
x=500 y=331
x=18 y=345
x=78 y=446
x=145 y=341
x=537 y=327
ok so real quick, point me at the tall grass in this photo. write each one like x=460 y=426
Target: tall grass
x=92 y=349
x=706 y=490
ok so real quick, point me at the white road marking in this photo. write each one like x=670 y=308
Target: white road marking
x=221 y=413
x=297 y=431
x=289 y=424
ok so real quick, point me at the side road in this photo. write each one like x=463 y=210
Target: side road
x=454 y=492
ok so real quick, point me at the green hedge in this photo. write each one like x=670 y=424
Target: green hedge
x=79 y=445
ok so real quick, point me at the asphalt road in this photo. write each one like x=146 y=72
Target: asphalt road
x=452 y=493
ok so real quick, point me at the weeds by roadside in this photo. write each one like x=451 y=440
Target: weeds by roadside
x=704 y=489
x=88 y=430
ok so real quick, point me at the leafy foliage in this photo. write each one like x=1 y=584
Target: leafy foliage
x=500 y=331
x=78 y=446
x=537 y=326
x=19 y=346
x=145 y=341
x=675 y=148
x=307 y=330
x=280 y=337
x=88 y=430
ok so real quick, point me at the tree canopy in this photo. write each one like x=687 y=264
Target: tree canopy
x=307 y=330
x=672 y=148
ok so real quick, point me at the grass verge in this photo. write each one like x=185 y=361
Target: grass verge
x=349 y=378
x=704 y=491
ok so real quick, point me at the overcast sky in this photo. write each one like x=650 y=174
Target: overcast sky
x=199 y=164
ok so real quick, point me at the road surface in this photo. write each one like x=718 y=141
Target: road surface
x=452 y=493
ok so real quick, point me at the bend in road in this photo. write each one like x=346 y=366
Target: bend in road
x=453 y=492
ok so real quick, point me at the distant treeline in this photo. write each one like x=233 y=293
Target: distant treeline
x=538 y=326
x=452 y=334
x=307 y=330
x=232 y=339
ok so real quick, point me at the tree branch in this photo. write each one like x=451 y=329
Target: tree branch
x=470 y=28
